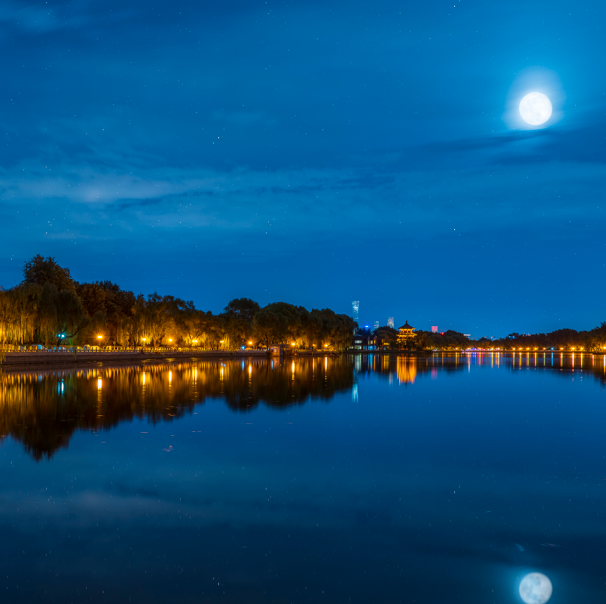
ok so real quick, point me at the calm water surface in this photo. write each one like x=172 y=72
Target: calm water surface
x=363 y=479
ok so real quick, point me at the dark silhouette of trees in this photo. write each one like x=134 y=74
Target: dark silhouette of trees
x=42 y=270
x=50 y=308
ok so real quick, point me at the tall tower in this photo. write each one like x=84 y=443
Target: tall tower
x=376 y=325
x=356 y=309
x=390 y=322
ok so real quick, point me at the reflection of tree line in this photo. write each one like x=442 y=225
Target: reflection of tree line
x=406 y=368
x=561 y=363
x=42 y=412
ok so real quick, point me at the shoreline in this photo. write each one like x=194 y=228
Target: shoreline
x=59 y=359
x=13 y=359
x=44 y=359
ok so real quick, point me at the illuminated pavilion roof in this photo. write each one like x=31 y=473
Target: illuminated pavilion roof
x=406 y=326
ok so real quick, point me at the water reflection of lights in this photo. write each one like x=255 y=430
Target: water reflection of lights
x=99 y=384
x=407 y=370
x=170 y=377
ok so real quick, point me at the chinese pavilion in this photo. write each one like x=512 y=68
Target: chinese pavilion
x=407 y=335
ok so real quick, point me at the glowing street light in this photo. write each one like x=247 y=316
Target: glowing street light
x=100 y=337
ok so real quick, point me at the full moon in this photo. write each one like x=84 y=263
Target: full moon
x=535 y=108
x=535 y=588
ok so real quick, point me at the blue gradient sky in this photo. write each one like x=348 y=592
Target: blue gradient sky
x=314 y=153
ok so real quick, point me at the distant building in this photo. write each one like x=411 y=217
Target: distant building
x=376 y=325
x=434 y=329
x=355 y=310
x=390 y=322
x=364 y=342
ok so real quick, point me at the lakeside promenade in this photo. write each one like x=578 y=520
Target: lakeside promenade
x=68 y=357
x=83 y=357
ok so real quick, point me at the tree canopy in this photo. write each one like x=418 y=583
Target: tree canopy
x=40 y=270
x=49 y=302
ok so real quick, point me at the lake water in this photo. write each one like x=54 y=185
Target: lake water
x=365 y=479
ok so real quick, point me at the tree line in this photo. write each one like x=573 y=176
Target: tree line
x=567 y=339
x=50 y=308
x=593 y=340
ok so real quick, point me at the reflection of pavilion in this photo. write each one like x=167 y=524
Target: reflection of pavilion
x=407 y=369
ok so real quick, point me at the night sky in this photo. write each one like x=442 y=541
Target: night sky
x=314 y=153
